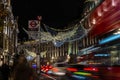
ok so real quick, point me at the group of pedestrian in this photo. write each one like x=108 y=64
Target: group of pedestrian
x=20 y=71
x=23 y=71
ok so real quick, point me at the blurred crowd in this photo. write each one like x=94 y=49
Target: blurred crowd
x=20 y=70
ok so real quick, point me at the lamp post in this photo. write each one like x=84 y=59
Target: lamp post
x=39 y=48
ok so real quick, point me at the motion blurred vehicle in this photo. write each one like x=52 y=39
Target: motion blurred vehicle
x=109 y=72
x=106 y=59
x=59 y=69
x=46 y=68
x=82 y=72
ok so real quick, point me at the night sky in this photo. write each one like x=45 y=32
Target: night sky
x=55 y=13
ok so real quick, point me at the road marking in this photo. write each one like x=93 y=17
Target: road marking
x=48 y=76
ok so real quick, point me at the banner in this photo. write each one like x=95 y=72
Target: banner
x=33 y=25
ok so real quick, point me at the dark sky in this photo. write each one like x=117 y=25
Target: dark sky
x=55 y=13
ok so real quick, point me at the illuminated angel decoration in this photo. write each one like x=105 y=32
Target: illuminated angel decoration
x=60 y=38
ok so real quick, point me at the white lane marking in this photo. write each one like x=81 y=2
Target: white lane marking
x=49 y=76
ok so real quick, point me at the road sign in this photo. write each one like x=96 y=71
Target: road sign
x=33 y=24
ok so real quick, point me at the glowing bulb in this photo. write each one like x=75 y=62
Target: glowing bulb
x=105 y=9
x=113 y=3
x=104 y=6
x=94 y=21
x=99 y=13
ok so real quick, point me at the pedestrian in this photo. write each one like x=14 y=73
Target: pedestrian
x=1 y=78
x=5 y=71
x=23 y=71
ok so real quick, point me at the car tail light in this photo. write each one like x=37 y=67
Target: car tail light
x=91 y=69
x=50 y=67
x=72 y=69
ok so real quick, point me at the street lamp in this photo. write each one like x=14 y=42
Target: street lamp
x=39 y=36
